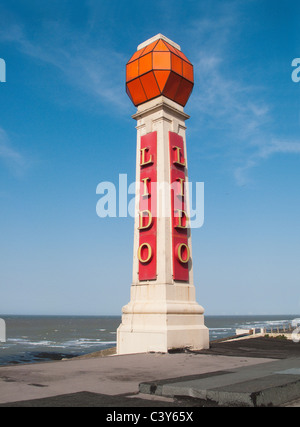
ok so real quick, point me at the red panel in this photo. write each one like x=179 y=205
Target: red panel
x=147 y=205
x=179 y=208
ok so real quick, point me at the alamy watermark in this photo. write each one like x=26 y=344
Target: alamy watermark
x=2 y=71
x=117 y=202
x=296 y=71
x=2 y=330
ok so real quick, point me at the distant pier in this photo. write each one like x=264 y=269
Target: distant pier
x=285 y=330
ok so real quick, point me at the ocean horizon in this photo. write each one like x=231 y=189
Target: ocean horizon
x=37 y=338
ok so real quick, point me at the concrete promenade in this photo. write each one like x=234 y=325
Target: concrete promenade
x=255 y=372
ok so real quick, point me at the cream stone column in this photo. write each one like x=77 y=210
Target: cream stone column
x=162 y=313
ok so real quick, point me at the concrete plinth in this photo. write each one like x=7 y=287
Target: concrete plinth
x=161 y=337
x=160 y=324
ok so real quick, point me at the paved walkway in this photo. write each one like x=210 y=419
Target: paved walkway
x=156 y=379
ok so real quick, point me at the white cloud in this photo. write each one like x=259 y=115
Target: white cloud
x=95 y=69
x=238 y=109
x=279 y=146
x=264 y=151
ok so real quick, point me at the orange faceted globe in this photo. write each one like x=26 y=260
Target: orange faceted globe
x=159 y=69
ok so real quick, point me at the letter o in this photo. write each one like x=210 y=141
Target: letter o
x=179 y=252
x=144 y=260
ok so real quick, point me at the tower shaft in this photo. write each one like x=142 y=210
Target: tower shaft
x=162 y=313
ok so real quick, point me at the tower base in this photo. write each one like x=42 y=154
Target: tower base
x=160 y=326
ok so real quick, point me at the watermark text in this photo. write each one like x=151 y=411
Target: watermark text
x=122 y=202
x=2 y=71
x=296 y=71
x=2 y=330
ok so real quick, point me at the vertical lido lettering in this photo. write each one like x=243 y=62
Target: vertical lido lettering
x=180 y=220
x=148 y=207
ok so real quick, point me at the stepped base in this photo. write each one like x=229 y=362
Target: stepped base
x=161 y=332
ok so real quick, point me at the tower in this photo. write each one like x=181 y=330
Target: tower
x=162 y=313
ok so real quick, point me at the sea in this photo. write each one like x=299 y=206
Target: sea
x=33 y=339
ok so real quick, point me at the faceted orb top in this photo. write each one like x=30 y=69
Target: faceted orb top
x=159 y=68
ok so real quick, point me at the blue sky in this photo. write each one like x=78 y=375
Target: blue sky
x=66 y=126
